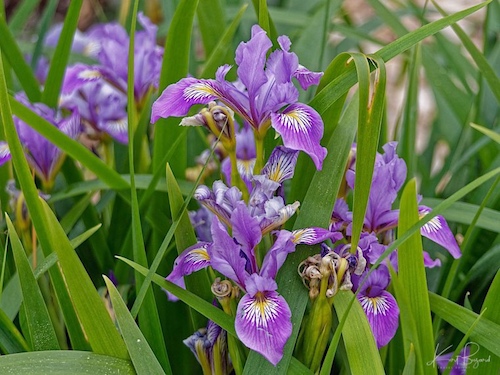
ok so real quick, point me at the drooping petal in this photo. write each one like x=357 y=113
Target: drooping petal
x=382 y=312
x=193 y=259
x=307 y=78
x=301 y=128
x=281 y=164
x=79 y=74
x=118 y=129
x=263 y=320
x=429 y=262
x=314 y=235
x=437 y=230
x=5 y=155
x=277 y=214
x=225 y=255
x=177 y=98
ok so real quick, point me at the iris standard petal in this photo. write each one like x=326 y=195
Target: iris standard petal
x=281 y=164
x=246 y=229
x=307 y=78
x=177 y=99
x=263 y=323
x=277 y=254
x=382 y=312
x=437 y=230
x=251 y=60
x=301 y=128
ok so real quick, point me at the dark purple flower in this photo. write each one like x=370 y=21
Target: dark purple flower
x=265 y=95
x=209 y=345
x=459 y=363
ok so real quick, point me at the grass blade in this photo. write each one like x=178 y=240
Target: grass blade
x=63 y=362
x=16 y=60
x=413 y=279
x=41 y=331
x=143 y=358
x=50 y=95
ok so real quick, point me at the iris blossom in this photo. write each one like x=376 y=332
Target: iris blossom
x=380 y=221
x=43 y=156
x=262 y=318
x=265 y=95
x=389 y=175
x=100 y=91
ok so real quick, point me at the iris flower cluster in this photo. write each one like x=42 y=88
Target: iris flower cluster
x=262 y=318
x=243 y=238
x=349 y=269
x=99 y=91
x=44 y=157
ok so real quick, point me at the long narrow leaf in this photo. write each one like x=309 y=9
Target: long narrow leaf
x=63 y=362
x=41 y=331
x=412 y=276
x=174 y=67
x=50 y=95
x=70 y=146
x=340 y=85
x=142 y=356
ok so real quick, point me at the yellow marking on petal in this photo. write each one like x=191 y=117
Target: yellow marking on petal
x=199 y=91
x=297 y=120
x=433 y=225
x=198 y=255
x=374 y=305
x=89 y=74
x=303 y=235
x=260 y=310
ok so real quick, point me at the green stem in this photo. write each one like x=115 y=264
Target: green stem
x=259 y=150
x=236 y=179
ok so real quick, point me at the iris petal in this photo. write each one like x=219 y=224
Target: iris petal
x=301 y=128
x=178 y=98
x=263 y=323
x=382 y=312
x=438 y=231
x=193 y=259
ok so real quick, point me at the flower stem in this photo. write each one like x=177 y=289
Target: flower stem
x=259 y=150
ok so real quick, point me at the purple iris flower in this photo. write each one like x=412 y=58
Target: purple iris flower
x=262 y=319
x=389 y=175
x=102 y=109
x=459 y=364
x=109 y=44
x=44 y=157
x=265 y=95
x=263 y=316
x=379 y=305
x=209 y=345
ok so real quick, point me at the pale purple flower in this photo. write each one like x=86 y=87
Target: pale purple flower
x=102 y=108
x=264 y=96
x=109 y=43
x=43 y=156
x=389 y=175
